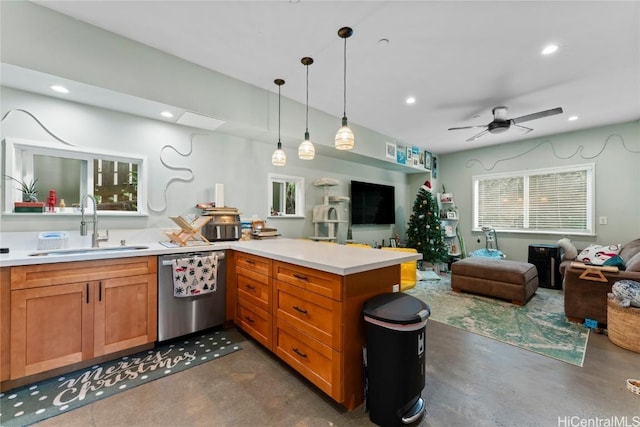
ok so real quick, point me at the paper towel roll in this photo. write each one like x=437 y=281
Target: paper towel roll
x=219 y=200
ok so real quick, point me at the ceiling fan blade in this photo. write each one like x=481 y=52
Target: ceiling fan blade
x=538 y=115
x=524 y=128
x=478 y=135
x=468 y=127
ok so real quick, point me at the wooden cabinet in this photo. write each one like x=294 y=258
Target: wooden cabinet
x=65 y=313
x=310 y=319
x=253 y=311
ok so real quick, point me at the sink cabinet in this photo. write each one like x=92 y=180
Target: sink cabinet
x=64 y=313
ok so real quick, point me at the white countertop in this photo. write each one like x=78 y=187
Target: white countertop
x=329 y=257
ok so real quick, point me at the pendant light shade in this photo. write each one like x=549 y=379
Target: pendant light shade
x=344 y=137
x=279 y=158
x=306 y=150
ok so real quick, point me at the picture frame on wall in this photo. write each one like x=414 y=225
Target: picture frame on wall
x=434 y=167
x=401 y=155
x=391 y=150
x=416 y=156
x=409 y=154
x=427 y=160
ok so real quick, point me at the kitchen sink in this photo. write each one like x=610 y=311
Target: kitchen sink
x=81 y=251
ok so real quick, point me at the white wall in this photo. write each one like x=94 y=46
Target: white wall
x=615 y=150
x=241 y=164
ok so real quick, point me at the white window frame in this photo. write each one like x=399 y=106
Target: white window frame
x=299 y=197
x=19 y=156
x=590 y=199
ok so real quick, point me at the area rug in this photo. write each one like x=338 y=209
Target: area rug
x=540 y=326
x=36 y=402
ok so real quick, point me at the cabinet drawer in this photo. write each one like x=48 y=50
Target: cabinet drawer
x=253 y=263
x=254 y=321
x=313 y=314
x=317 y=362
x=33 y=276
x=319 y=282
x=256 y=292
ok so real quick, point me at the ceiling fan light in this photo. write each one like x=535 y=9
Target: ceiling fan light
x=344 y=137
x=306 y=150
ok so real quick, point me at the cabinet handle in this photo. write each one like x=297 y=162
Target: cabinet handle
x=87 y=293
x=299 y=276
x=250 y=287
x=250 y=261
x=299 y=352
x=301 y=310
x=100 y=291
x=248 y=319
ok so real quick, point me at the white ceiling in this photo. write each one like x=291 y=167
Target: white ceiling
x=458 y=58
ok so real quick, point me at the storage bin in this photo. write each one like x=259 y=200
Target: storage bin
x=623 y=324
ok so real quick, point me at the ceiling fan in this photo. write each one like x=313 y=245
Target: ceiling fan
x=501 y=124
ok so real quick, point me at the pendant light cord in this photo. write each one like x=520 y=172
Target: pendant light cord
x=278 y=115
x=307 y=124
x=344 y=114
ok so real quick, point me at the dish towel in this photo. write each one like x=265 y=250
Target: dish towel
x=195 y=275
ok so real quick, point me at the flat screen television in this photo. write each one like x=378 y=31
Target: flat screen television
x=372 y=203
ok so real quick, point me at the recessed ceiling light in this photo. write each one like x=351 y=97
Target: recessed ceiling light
x=410 y=100
x=166 y=114
x=549 y=49
x=59 y=89
x=572 y=118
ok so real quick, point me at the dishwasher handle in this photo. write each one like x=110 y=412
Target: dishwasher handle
x=170 y=261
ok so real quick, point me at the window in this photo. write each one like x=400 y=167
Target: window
x=553 y=201
x=286 y=196
x=115 y=180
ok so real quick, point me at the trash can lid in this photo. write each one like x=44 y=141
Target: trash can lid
x=396 y=307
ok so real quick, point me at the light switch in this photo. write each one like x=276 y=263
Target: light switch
x=603 y=220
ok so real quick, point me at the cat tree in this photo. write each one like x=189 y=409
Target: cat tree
x=325 y=216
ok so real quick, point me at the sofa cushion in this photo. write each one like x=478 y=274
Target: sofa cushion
x=630 y=249
x=599 y=254
x=634 y=263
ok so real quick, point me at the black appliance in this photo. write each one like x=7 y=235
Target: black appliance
x=395 y=326
x=547 y=260
x=222 y=227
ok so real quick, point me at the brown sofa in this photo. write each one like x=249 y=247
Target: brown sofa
x=587 y=298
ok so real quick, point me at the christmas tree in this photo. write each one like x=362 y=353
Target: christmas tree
x=424 y=232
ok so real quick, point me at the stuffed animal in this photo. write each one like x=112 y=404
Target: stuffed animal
x=570 y=251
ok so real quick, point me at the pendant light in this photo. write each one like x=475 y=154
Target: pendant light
x=344 y=137
x=279 y=158
x=306 y=150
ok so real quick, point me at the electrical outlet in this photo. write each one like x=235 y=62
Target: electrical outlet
x=603 y=220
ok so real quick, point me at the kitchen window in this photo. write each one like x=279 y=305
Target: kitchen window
x=286 y=196
x=546 y=201
x=116 y=180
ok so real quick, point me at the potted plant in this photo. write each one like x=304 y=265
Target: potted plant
x=29 y=191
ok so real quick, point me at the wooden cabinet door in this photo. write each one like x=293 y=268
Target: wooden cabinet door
x=51 y=327
x=125 y=313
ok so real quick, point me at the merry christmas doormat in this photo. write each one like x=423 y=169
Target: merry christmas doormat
x=33 y=403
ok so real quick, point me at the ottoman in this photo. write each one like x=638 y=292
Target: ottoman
x=513 y=281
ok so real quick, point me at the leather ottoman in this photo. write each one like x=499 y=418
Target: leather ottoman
x=513 y=281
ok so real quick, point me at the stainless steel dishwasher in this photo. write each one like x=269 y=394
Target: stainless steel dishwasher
x=179 y=316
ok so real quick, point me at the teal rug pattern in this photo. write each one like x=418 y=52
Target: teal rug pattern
x=36 y=402
x=539 y=326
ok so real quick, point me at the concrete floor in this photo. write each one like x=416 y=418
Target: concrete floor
x=471 y=381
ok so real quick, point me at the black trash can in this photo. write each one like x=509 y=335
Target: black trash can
x=395 y=326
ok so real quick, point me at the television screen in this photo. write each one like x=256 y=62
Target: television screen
x=372 y=203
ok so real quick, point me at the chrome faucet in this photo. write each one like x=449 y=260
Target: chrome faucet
x=95 y=237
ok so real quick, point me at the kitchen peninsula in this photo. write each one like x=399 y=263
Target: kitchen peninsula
x=300 y=299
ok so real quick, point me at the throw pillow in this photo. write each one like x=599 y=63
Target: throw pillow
x=598 y=254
